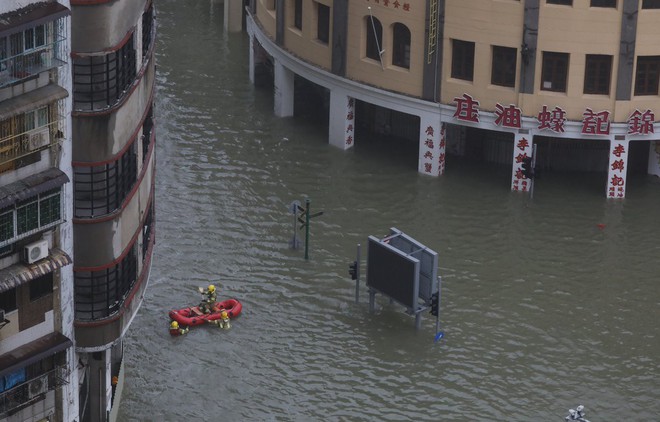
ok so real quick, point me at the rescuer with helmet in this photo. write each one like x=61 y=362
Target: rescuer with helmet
x=175 y=330
x=209 y=299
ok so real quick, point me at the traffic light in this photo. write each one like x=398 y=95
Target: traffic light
x=435 y=303
x=353 y=270
x=527 y=169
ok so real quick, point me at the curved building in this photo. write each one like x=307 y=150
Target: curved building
x=113 y=79
x=567 y=85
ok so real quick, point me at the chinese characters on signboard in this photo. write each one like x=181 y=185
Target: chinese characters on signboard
x=593 y=122
x=522 y=150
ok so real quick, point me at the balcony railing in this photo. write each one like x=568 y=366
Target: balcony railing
x=28 y=392
x=30 y=63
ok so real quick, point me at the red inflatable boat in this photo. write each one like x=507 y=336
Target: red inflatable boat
x=193 y=316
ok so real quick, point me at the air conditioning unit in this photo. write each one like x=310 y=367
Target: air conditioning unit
x=39 y=139
x=35 y=251
x=37 y=387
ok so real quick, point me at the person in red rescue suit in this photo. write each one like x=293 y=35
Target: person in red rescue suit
x=175 y=330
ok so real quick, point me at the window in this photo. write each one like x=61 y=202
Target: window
x=26 y=217
x=651 y=4
x=100 y=190
x=562 y=2
x=504 y=66
x=374 y=37
x=603 y=3
x=41 y=286
x=597 y=74
x=297 y=14
x=646 y=76
x=50 y=209
x=147 y=25
x=462 y=60
x=323 y=23
x=554 y=72
x=99 y=294
x=6 y=224
x=8 y=300
x=401 y=46
x=100 y=81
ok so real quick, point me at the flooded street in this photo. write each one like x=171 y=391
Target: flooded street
x=547 y=303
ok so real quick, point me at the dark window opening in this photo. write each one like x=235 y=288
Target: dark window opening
x=462 y=60
x=562 y=2
x=603 y=3
x=8 y=300
x=41 y=286
x=504 y=66
x=297 y=14
x=554 y=73
x=374 y=37
x=646 y=76
x=597 y=74
x=651 y=4
x=401 y=46
x=323 y=23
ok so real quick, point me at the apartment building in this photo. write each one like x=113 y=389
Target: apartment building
x=38 y=364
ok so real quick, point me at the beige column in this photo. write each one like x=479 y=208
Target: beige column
x=233 y=20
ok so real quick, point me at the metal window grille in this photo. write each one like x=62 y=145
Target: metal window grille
x=100 y=190
x=147 y=128
x=147 y=26
x=100 y=82
x=30 y=216
x=100 y=294
x=31 y=51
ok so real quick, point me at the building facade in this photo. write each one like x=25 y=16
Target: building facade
x=77 y=173
x=569 y=84
x=38 y=364
x=113 y=166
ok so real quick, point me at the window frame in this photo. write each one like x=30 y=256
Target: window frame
x=647 y=75
x=401 y=39
x=604 y=3
x=549 y=71
x=322 y=23
x=594 y=78
x=507 y=77
x=462 y=60
x=374 y=39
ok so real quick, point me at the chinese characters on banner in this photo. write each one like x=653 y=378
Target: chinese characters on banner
x=431 y=146
x=616 y=178
x=350 y=121
x=593 y=122
x=522 y=149
x=394 y=4
x=441 y=151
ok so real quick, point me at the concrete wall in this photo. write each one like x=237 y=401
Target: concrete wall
x=102 y=27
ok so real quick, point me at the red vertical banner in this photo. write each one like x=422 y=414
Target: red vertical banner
x=350 y=122
x=618 y=169
x=522 y=148
x=429 y=140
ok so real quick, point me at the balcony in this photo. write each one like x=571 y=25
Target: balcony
x=27 y=64
x=30 y=391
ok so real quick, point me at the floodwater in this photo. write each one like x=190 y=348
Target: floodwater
x=547 y=303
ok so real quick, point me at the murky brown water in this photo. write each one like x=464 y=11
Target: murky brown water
x=542 y=309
